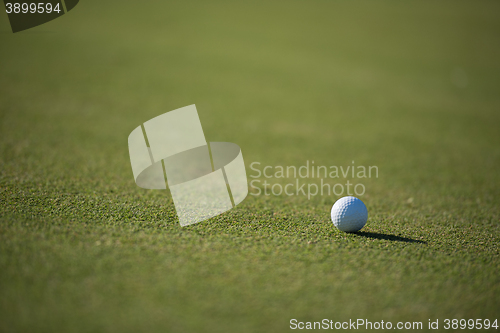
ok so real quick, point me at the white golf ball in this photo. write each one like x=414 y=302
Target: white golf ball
x=349 y=214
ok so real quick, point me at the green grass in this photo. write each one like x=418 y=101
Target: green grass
x=83 y=249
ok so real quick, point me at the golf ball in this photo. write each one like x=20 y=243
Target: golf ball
x=349 y=214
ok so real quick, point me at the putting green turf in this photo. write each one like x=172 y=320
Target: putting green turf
x=411 y=87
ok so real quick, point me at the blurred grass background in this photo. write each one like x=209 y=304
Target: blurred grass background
x=412 y=87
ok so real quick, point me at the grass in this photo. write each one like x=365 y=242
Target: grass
x=83 y=249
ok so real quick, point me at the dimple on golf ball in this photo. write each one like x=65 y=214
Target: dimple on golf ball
x=349 y=214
